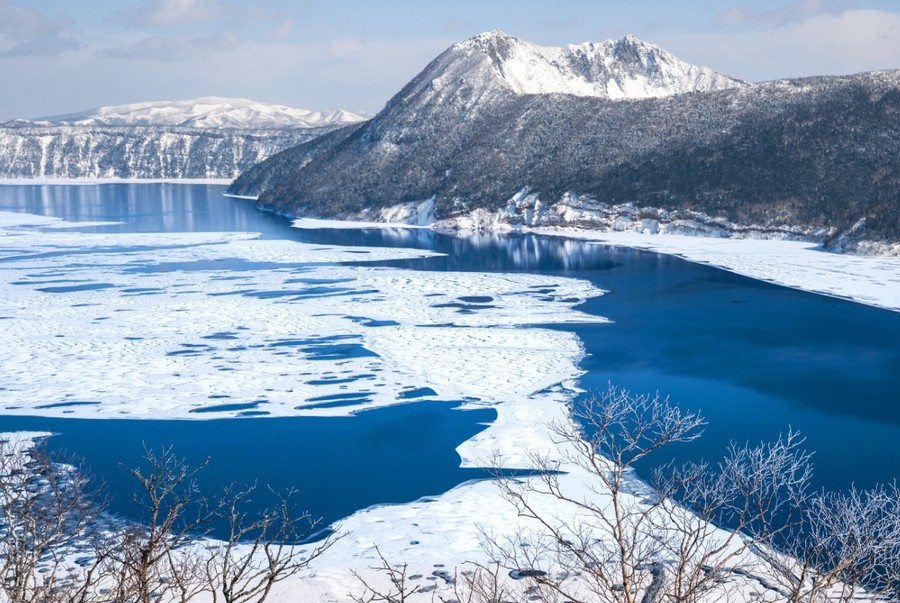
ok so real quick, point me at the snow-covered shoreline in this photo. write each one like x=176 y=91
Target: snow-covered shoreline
x=806 y=266
x=870 y=280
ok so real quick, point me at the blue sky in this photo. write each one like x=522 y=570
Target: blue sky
x=60 y=56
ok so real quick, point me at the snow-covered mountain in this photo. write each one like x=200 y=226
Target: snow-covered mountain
x=203 y=138
x=497 y=131
x=615 y=69
x=205 y=112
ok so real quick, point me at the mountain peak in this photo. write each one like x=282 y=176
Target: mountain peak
x=628 y=68
x=488 y=37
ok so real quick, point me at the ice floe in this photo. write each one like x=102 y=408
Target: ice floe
x=201 y=325
x=197 y=325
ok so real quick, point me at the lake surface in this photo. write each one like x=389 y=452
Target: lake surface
x=754 y=358
x=337 y=465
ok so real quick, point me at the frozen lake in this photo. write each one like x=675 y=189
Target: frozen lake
x=258 y=351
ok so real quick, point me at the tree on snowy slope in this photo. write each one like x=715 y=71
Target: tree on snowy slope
x=697 y=532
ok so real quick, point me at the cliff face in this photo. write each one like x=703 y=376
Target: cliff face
x=138 y=151
x=208 y=137
x=811 y=157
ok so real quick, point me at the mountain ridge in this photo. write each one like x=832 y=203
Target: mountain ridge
x=202 y=112
x=628 y=68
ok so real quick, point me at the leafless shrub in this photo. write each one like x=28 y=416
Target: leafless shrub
x=46 y=509
x=482 y=583
x=164 y=557
x=847 y=548
x=398 y=590
x=261 y=550
x=681 y=537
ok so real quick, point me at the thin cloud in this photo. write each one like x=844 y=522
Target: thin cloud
x=169 y=13
x=795 y=12
x=827 y=44
x=27 y=32
x=175 y=48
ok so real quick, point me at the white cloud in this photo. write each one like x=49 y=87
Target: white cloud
x=825 y=44
x=169 y=13
x=795 y=12
x=27 y=32
x=174 y=47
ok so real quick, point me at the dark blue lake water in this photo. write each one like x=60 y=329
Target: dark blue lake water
x=754 y=358
x=337 y=464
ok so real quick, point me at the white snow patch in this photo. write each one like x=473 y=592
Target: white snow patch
x=416 y=213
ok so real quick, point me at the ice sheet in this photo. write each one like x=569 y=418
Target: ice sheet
x=160 y=325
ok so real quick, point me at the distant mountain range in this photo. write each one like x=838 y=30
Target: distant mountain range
x=500 y=133
x=205 y=112
x=208 y=137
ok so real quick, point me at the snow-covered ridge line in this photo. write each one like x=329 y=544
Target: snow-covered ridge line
x=204 y=112
x=628 y=68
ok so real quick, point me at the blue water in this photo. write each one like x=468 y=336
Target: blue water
x=753 y=357
x=338 y=465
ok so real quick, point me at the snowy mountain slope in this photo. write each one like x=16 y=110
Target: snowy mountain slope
x=811 y=157
x=449 y=96
x=205 y=112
